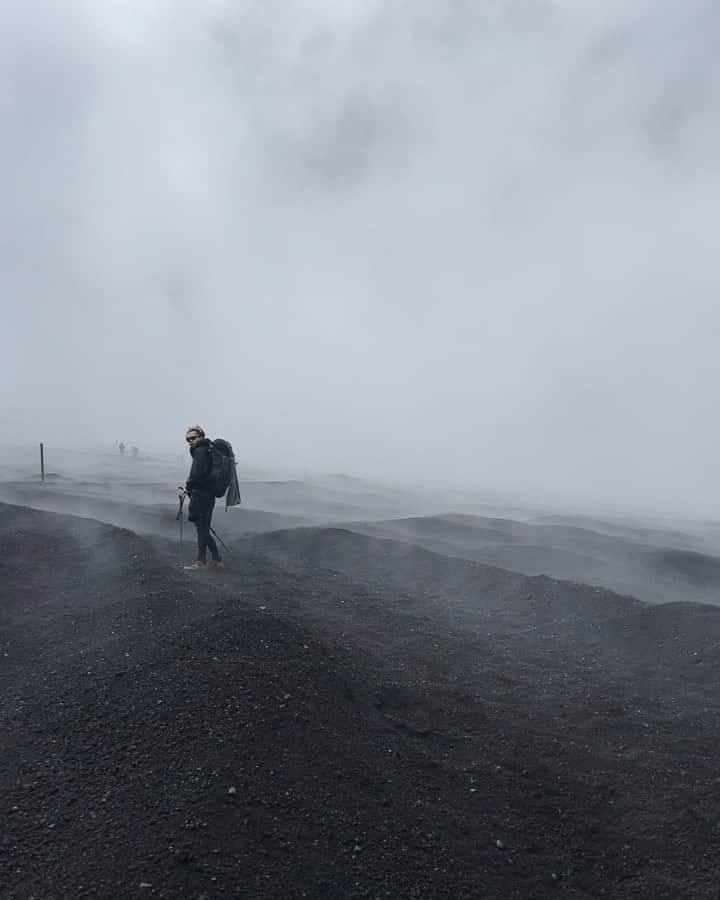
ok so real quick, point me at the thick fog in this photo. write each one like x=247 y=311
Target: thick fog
x=449 y=241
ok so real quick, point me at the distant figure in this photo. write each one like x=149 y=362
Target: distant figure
x=134 y=452
x=202 y=497
x=121 y=448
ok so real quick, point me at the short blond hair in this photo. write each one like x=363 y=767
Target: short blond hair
x=195 y=428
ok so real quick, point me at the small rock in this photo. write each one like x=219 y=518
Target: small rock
x=232 y=791
x=145 y=884
x=499 y=844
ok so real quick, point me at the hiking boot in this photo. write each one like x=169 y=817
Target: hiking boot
x=198 y=564
x=217 y=564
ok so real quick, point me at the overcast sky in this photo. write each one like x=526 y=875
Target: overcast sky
x=463 y=241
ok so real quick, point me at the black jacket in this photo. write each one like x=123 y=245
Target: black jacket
x=200 y=469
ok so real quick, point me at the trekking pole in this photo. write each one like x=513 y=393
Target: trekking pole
x=179 y=516
x=220 y=540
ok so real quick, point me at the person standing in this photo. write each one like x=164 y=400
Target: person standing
x=202 y=497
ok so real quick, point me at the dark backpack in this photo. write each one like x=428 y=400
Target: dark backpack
x=222 y=471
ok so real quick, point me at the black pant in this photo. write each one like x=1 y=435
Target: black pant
x=200 y=512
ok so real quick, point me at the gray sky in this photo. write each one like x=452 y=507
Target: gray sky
x=462 y=241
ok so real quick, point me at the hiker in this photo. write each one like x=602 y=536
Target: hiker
x=202 y=497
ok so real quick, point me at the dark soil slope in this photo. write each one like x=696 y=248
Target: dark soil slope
x=636 y=561
x=317 y=722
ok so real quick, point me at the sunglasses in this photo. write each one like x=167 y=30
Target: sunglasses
x=192 y=438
